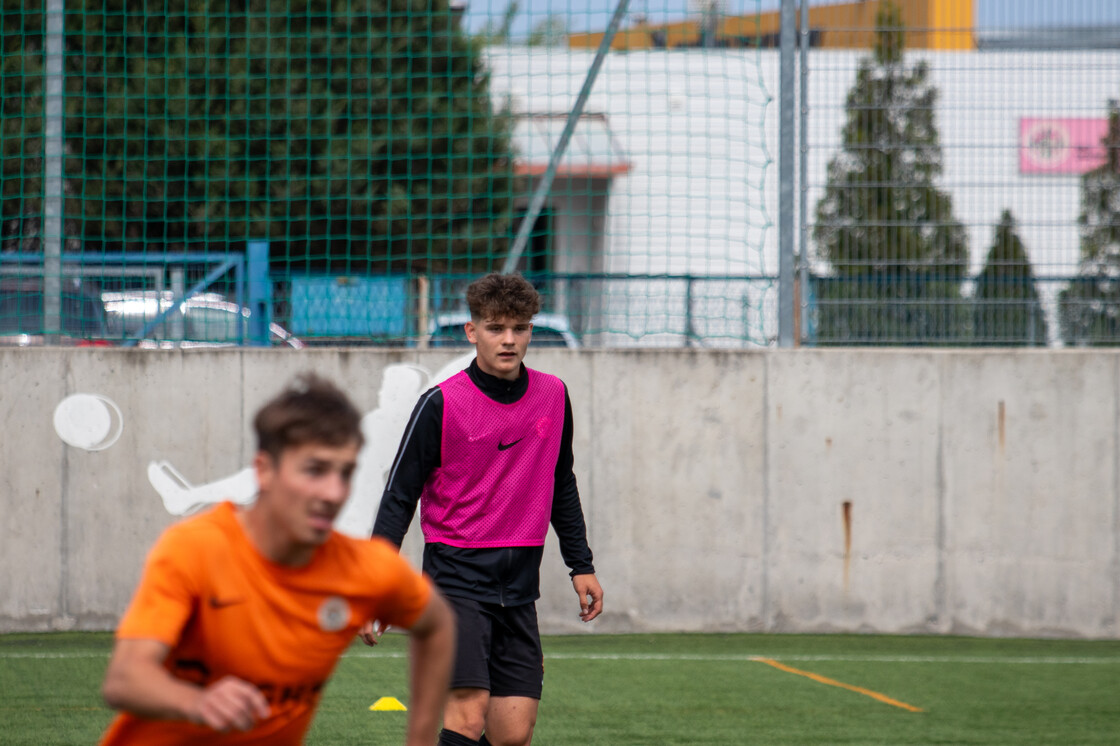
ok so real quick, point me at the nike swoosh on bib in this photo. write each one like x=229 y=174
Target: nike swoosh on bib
x=504 y=446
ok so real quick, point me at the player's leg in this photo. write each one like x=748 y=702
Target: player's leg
x=510 y=721
x=516 y=677
x=464 y=716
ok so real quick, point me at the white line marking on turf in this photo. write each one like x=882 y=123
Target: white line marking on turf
x=45 y=656
x=749 y=657
x=713 y=657
x=1034 y=660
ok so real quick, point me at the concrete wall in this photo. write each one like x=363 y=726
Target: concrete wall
x=983 y=486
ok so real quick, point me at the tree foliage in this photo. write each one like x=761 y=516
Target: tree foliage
x=551 y=31
x=897 y=254
x=22 y=89
x=355 y=135
x=1089 y=308
x=500 y=31
x=1007 y=309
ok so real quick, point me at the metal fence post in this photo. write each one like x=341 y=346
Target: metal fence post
x=260 y=293
x=52 y=177
x=786 y=145
x=802 y=279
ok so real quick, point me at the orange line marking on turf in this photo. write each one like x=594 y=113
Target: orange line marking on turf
x=833 y=682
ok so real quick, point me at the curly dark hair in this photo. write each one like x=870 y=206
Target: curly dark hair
x=498 y=296
x=310 y=409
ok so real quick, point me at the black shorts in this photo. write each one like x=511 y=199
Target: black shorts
x=499 y=649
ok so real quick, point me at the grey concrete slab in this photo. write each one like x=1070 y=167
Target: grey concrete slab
x=856 y=428
x=679 y=474
x=31 y=490
x=1031 y=440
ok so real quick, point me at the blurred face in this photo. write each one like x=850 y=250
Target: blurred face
x=301 y=494
x=500 y=345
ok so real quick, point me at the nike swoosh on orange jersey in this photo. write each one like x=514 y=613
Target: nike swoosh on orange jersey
x=221 y=603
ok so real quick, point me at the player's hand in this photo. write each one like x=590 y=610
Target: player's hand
x=371 y=632
x=590 y=596
x=228 y=704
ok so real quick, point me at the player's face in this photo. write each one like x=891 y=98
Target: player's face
x=304 y=490
x=500 y=345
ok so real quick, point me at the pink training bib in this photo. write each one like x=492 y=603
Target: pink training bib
x=497 y=472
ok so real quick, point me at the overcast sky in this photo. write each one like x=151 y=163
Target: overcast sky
x=583 y=15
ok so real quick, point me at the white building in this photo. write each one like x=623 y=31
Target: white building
x=698 y=131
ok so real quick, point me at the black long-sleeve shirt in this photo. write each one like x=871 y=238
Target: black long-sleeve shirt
x=505 y=575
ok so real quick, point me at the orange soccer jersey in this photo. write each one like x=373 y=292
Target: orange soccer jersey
x=226 y=610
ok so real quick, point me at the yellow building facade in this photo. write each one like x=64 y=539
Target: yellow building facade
x=930 y=24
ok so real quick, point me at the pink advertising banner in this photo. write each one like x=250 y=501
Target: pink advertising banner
x=1061 y=146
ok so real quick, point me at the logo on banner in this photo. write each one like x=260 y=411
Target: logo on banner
x=1061 y=146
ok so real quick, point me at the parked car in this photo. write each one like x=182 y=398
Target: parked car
x=202 y=320
x=82 y=316
x=549 y=330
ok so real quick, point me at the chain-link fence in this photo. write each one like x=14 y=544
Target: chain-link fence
x=958 y=192
x=312 y=172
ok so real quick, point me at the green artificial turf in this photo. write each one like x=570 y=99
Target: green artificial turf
x=676 y=689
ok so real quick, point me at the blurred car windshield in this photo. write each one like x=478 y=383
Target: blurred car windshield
x=81 y=315
x=548 y=331
x=203 y=320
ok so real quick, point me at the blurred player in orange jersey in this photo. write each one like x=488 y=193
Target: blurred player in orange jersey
x=242 y=613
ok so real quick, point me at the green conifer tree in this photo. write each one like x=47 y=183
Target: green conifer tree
x=1089 y=309
x=355 y=136
x=1007 y=310
x=897 y=254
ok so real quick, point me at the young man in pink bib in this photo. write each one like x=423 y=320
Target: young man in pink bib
x=487 y=454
